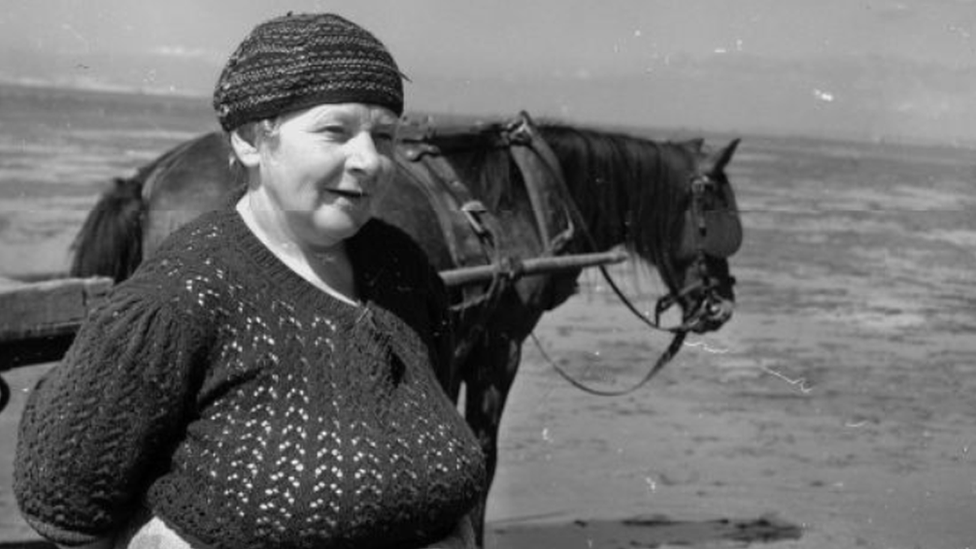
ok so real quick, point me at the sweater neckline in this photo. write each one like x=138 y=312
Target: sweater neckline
x=282 y=277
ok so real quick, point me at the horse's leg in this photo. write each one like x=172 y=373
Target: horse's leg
x=489 y=374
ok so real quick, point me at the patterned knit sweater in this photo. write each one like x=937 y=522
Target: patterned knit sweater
x=248 y=409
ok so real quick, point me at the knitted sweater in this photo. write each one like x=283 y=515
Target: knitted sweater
x=248 y=409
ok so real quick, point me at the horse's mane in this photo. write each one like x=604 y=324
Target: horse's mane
x=614 y=176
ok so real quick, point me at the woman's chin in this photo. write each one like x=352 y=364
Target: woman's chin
x=339 y=226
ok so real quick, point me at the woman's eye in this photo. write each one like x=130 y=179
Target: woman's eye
x=334 y=130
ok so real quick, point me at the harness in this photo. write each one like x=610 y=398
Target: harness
x=473 y=232
x=423 y=156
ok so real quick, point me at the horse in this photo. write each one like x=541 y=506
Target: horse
x=496 y=194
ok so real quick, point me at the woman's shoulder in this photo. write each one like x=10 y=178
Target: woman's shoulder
x=207 y=232
x=198 y=253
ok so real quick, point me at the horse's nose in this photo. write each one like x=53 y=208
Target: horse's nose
x=720 y=308
x=712 y=315
x=717 y=313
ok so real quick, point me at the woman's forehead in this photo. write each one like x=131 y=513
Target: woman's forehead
x=349 y=112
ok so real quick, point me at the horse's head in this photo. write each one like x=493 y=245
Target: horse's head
x=696 y=266
x=669 y=203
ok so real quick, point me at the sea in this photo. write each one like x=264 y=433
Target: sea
x=839 y=397
x=60 y=148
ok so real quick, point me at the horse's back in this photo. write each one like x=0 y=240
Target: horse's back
x=191 y=179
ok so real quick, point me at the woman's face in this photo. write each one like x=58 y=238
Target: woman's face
x=322 y=170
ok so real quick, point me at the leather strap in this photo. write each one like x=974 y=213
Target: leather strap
x=450 y=198
x=544 y=183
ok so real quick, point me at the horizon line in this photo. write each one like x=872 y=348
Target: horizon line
x=756 y=131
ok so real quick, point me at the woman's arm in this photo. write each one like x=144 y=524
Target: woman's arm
x=93 y=427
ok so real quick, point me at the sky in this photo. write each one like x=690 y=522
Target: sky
x=900 y=70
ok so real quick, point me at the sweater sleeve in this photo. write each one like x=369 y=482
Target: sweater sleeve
x=99 y=425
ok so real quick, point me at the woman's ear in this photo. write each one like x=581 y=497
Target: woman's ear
x=247 y=153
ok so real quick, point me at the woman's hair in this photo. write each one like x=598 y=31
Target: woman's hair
x=260 y=131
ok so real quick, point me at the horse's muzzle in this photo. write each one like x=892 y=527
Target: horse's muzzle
x=710 y=315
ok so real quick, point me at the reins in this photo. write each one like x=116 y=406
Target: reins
x=676 y=343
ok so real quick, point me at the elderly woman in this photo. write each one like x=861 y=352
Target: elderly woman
x=267 y=379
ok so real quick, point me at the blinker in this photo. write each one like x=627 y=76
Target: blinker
x=717 y=232
x=723 y=234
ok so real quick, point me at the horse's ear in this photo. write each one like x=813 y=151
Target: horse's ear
x=724 y=156
x=246 y=152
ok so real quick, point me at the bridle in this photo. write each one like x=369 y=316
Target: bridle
x=702 y=293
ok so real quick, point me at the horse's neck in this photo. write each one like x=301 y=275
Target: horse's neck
x=617 y=181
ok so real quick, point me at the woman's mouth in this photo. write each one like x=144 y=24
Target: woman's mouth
x=350 y=200
x=351 y=194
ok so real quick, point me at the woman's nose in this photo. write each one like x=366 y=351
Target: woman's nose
x=364 y=156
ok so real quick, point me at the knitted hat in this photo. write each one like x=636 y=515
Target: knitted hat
x=298 y=61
